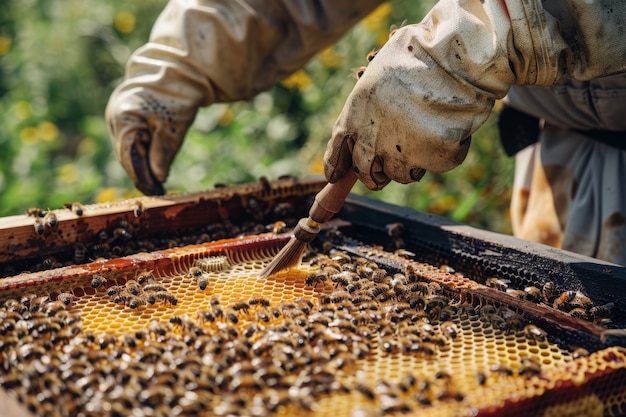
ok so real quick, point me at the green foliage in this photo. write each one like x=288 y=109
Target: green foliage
x=60 y=60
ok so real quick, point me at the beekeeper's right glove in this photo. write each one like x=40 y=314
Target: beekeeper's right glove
x=433 y=84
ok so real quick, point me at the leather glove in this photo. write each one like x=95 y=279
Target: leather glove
x=433 y=84
x=202 y=52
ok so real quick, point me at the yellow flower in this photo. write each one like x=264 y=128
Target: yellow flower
x=299 y=80
x=226 y=118
x=5 y=45
x=29 y=135
x=443 y=205
x=132 y=193
x=330 y=58
x=106 y=194
x=316 y=166
x=87 y=146
x=124 y=22
x=22 y=110
x=48 y=131
x=378 y=18
x=68 y=173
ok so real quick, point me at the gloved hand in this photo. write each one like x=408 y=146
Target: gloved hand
x=433 y=84
x=203 y=52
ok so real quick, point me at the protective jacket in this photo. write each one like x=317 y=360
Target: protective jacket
x=429 y=88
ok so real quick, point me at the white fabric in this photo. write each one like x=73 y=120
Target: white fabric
x=568 y=190
x=201 y=52
x=433 y=84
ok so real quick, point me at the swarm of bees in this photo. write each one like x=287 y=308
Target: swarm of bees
x=573 y=302
x=254 y=356
x=120 y=238
x=136 y=293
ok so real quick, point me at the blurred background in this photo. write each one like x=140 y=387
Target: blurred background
x=61 y=59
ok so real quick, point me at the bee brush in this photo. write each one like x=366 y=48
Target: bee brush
x=327 y=203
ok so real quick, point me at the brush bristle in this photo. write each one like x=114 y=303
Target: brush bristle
x=289 y=257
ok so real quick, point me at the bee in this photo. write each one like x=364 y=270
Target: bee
x=579 y=313
x=80 y=253
x=502 y=370
x=315 y=279
x=36 y=212
x=137 y=208
x=179 y=321
x=167 y=298
x=39 y=227
x=122 y=233
x=204 y=315
x=481 y=378
x=602 y=311
x=548 y=291
x=533 y=293
x=378 y=275
x=241 y=306
x=199 y=276
x=137 y=301
x=263 y=316
x=533 y=332
x=530 y=366
x=27 y=299
x=447 y=269
x=156 y=329
x=231 y=315
x=151 y=297
x=217 y=310
x=97 y=281
x=259 y=301
x=122 y=297
x=145 y=277
x=487 y=310
x=337 y=297
x=279 y=227
x=581 y=300
x=517 y=293
x=366 y=391
x=203 y=281
x=50 y=262
x=36 y=304
x=498 y=283
x=358 y=73
x=75 y=208
x=371 y=55
x=449 y=329
x=339 y=279
x=133 y=287
x=52 y=308
x=562 y=302
x=66 y=298
x=154 y=288
x=579 y=352
x=106 y=340
x=114 y=290
x=395 y=229
x=50 y=220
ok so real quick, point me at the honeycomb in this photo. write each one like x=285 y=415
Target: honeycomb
x=195 y=331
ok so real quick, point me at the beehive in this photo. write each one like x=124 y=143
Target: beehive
x=355 y=330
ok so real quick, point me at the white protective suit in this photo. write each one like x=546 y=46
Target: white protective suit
x=420 y=99
x=569 y=190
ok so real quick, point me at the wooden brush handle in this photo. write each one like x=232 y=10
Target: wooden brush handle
x=330 y=199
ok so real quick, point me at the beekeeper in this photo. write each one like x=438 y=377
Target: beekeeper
x=418 y=102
